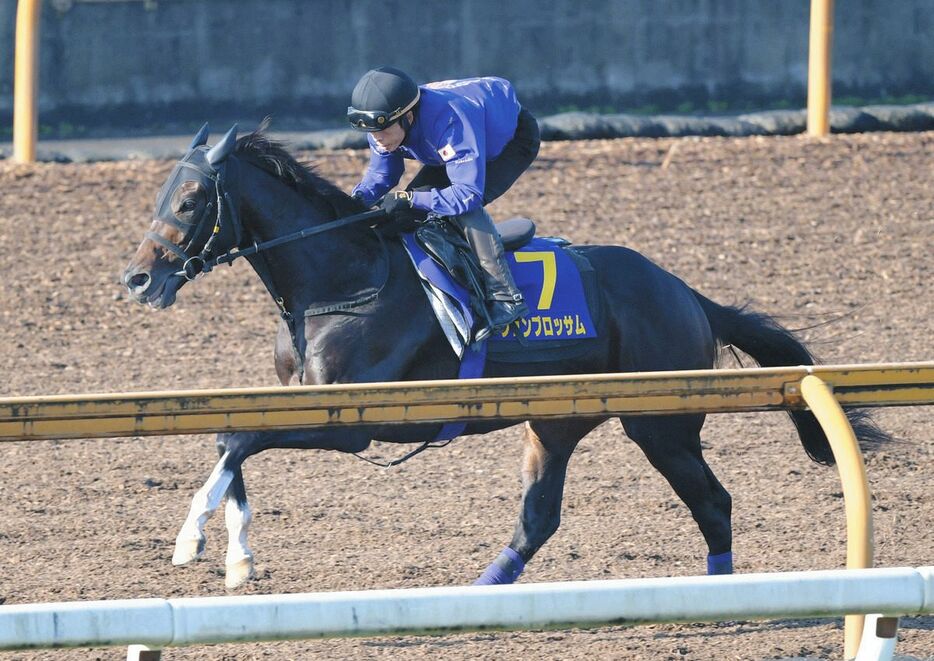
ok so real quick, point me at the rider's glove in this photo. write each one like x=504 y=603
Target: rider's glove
x=396 y=203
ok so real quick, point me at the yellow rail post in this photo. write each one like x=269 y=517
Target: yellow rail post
x=26 y=81
x=820 y=44
x=856 y=496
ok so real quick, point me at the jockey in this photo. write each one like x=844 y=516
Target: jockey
x=473 y=139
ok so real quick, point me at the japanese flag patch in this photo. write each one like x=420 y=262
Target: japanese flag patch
x=447 y=153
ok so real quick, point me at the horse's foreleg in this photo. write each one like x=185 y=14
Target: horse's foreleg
x=237 y=517
x=227 y=477
x=672 y=445
x=189 y=545
x=547 y=449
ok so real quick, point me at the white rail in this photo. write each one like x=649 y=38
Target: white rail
x=193 y=621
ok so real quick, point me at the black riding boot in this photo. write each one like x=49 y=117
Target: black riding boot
x=504 y=302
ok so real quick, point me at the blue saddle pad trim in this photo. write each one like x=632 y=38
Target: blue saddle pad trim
x=471 y=368
x=474 y=358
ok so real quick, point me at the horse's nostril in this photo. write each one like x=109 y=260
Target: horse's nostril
x=138 y=282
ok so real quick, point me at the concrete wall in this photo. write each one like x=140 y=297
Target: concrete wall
x=138 y=63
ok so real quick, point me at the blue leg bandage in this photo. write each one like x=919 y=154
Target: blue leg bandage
x=722 y=563
x=504 y=570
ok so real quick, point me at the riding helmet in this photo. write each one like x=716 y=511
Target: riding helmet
x=381 y=98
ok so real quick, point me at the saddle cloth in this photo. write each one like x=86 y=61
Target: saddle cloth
x=552 y=279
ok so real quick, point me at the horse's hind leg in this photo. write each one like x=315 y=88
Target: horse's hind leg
x=547 y=449
x=672 y=445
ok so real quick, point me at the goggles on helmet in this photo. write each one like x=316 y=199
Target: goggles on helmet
x=377 y=120
x=370 y=120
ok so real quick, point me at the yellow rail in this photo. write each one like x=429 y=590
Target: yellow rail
x=598 y=395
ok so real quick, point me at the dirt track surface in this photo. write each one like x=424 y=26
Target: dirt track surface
x=806 y=230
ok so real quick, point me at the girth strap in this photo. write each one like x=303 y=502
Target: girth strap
x=345 y=305
x=365 y=296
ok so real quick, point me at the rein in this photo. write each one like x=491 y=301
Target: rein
x=201 y=263
x=195 y=266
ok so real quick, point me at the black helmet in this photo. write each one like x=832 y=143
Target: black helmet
x=381 y=98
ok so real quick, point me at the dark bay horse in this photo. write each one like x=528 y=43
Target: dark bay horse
x=247 y=191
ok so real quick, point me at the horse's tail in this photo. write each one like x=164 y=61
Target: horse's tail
x=772 y=345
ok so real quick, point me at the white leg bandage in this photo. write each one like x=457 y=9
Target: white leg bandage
x=239 y=562
x=238 y=524
x=189 y=544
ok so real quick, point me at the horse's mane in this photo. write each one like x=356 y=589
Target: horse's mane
x=272 y=157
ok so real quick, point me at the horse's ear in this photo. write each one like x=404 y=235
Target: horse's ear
x=201 y=138
x=224 y=148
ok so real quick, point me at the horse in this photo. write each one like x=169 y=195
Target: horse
x=245 y=194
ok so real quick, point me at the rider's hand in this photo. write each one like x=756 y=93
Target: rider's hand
x=396 y=203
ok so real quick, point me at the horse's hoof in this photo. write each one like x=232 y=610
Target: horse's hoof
x=187 y=549
x=239 y=573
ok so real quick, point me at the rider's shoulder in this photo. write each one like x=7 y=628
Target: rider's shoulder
x=440 y=110
x=464 y=85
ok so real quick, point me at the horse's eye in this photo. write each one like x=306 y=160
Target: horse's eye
x=188 y=205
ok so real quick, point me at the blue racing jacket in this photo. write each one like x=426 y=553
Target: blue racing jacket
x=459 y=124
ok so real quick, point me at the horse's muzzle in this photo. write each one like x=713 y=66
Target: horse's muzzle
x=144 y=289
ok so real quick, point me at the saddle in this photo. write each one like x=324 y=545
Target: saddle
x=444 y=243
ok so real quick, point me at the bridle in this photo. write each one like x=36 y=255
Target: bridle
x=213 y=214
x=204 y=262
x=224 y=213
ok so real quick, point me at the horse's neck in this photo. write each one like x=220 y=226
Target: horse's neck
x=324 y=267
